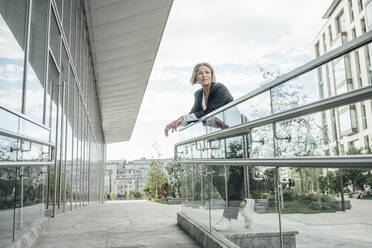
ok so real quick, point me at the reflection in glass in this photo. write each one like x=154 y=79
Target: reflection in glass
x=36 y=65
x=233 y=117
x=348 y=120
x=256 y=107
x=33 y=152
x=7 y=181
x=296 y=92
x=12 y=43
x=260 y=143
x=30 y=199
x=6 y=151
x=313 y=206
x=8 y=121
x=32 y=130
x=299 y=137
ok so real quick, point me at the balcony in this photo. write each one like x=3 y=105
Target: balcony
x=258 y=173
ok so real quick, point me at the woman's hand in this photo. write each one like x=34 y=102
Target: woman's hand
x=220 y=123
x=173 y=125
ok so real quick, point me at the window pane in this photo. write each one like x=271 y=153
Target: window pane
x=345 y=120
x=55 y=38
x=12 y=29
x=369 y=13
x=36 y=66
x=66 y=19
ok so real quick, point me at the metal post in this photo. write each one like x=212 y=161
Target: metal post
x=201 y=185
x=338 y=153
x=210 y=198
x=192 y=184
x=27 y=46
x=245 y=170
x=55 y=86
x=226 y=193
x=277 y=186
x=277 y=173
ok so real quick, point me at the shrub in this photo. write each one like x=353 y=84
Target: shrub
x=272 y=202
x=290 y=195
x=308 y=198
x=266 y=196
x=319 y=202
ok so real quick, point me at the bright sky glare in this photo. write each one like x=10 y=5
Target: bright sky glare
x=236 y=37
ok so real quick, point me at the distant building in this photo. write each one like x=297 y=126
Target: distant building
x=348 y=126
x=124 y=177
x=110 y=175
x=131 y=176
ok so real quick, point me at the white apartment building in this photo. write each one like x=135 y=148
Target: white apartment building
x=351 y=125
x=124 y=177
x=111 y=174
x=131 y=177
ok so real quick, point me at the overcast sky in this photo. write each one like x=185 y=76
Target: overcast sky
x=236 y=37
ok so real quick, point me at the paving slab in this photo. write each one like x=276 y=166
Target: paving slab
x=117 y=224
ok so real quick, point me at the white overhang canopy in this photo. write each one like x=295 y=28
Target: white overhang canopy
x=125 y=36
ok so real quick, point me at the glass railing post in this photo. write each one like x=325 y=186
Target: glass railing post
x=276 y=173
x=340 y=170
x=14 y=203
x=278 y=203
x=210 y=197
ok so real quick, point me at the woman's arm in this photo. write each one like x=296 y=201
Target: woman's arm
x=173 y=125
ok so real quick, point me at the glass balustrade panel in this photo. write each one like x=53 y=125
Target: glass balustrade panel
x=255 y=108
x=244 y=206
x=197 y=209
x=8 y=148
x=30 y=199
x=340 y=131
x=343 y=74
x=7 y=188
x=187 y=188
x=312 y=206
x=260 y=142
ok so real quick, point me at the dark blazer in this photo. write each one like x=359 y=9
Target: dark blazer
x=219 y=95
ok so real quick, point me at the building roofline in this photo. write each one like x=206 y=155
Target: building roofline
x=331 y=8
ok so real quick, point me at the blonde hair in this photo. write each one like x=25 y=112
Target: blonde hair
x=195 y=72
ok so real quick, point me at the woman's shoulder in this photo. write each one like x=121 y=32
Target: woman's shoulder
x=218 y=85
x=198 y=92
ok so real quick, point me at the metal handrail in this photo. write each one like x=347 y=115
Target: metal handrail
x=346 y=162
x=340 y=51
x=15 y=164
x=321 y=105
x=24 y=117
x=14 y=135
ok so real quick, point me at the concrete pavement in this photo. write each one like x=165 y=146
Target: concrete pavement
x=117 y=224
x=135 y=224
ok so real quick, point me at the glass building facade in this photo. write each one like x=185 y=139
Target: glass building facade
x=52 y=149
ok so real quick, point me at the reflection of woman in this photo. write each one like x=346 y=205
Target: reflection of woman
x=210 y=97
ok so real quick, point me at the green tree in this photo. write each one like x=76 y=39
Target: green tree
x=156 y=177
x=357 y=178
x=304 y=135
x=174 y=178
